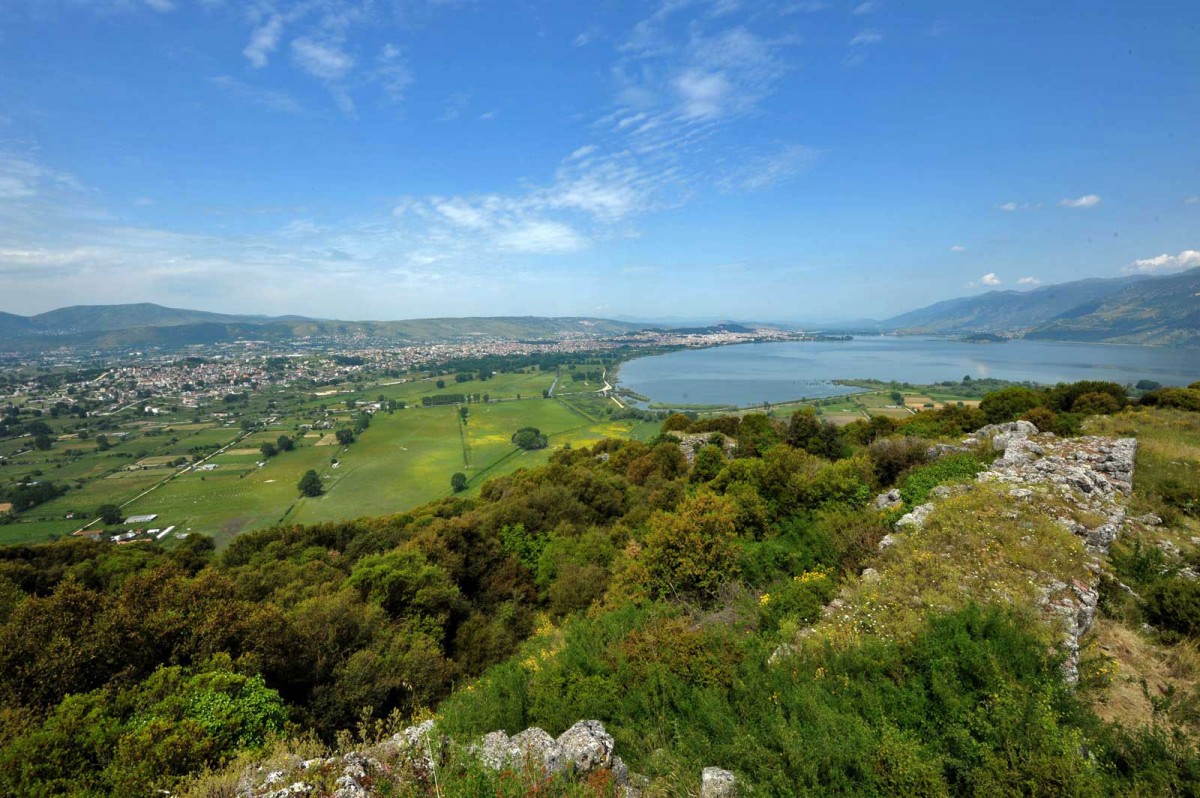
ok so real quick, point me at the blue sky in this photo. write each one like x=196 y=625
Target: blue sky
x=761 y=160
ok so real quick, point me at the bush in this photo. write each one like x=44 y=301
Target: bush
x=690 y=553
x=893 y=456
x=1174 y=604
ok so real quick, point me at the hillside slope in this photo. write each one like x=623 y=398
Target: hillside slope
x=1008 y=310
x=1163 y=310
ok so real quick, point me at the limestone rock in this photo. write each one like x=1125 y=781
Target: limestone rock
x=889 y=500
x=587 y=746
x=717 y=783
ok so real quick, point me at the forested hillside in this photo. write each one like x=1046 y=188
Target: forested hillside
x=730 y=594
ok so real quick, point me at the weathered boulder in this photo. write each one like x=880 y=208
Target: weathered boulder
x=587 y=746
x=889 y=500
x=717 y=783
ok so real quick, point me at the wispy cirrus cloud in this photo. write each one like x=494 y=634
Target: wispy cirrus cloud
x=270 y=99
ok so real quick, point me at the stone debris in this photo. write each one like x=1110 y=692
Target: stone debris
x=888 y=501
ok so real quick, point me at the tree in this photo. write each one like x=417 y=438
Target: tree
x=677 y=422
x=268 y=450
x=462 y=413
x=110 y=514
x=310 y=484
x=458 y=482
x=1010 y=403
x=43 y=441
x=102 y=444
x=530 y=438
x=345 y=436
x=441 y=383
x=285 y=444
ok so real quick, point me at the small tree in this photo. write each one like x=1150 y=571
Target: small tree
x=345 y=436
x=441 y=383
x=458 y=482
x=285 y=444
x=110 y=514
x=310 y=484
x=268 y=450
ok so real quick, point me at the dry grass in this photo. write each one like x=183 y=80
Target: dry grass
x=1144 y=670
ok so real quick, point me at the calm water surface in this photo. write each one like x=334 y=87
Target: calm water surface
x=750 y=374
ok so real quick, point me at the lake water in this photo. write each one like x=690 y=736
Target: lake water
x=749 y=374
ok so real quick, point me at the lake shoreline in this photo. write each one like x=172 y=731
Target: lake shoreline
x=749 y=375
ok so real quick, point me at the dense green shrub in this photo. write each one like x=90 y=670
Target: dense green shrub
x=951 y=468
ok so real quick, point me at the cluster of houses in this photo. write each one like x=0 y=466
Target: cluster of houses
x=135 y=535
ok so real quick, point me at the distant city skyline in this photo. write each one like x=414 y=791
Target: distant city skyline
x=364 y=159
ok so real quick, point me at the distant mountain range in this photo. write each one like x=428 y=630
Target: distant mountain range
x=1140 y=309
x=149 y=325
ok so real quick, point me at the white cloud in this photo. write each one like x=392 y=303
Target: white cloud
x=1029 y=281
x=1012 y=207
x=161 y=6
x=704 y=94
x=958 y=248
x=582 y=39
x=540 y=237
x=324 y=60
x=866 y=37
x=1007 y=206
x=990 y=279
x=1192 y=201
x=869 y=7
x=264 y=41
x=1086 y=201
x=582 y=152
x=1165 y=264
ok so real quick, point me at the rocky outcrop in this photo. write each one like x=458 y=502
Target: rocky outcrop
x=415 y=755
x=1092 y=476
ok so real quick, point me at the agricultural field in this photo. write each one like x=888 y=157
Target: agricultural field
x=203 y=471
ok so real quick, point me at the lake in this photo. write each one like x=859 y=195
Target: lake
x=749 y=374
